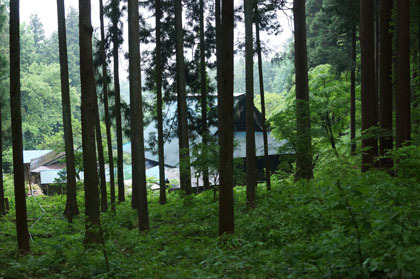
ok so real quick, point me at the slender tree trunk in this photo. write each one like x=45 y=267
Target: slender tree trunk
x=15 y=108
x=88 y=106
x=101 y=159
x=184 y=150
x=403 y=120
x=71 y=202
x=328 y=129
x=106 y=107
x=261 y=81
x=353 y=92
x=2 y=202
x=376 y=52
x=369 y=101
x=225 y=103
x=162 y=179
x=251 y=181
x=115 y=42
x=137 y=140
x=218 y=44
x=203 y=76
x=303 y=121
x=385 y=81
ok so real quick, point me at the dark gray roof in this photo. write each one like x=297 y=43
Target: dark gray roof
x=172 y=145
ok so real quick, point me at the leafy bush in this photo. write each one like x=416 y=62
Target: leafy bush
x=343 y=224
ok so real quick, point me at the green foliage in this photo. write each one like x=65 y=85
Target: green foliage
x=41 y=105
x=40 y=82
x=342 y=224
x=273 y=101
x=7 y=159
x=329 y=107
x=277 y=76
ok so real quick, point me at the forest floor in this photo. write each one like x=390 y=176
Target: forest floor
x=182 y=242
x=348 y=226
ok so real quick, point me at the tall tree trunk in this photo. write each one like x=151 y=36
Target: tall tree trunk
x=203 y=88
x=369 y=100
x=71 y=202
x=15 y=108
x=303 y=120
x=184 y=150
x=218 y=44
x=385 y=81
x=353 y=92
x=106 y=107
x=137 y=140
x=16 y=119
x=403 y=120
x=261 y=81
x=88 y=124
x=115 y=42
x=162 y=179
x=225 y=103
x=251 y=181
x=376 y=52
x=101 y=159
x=2 y=202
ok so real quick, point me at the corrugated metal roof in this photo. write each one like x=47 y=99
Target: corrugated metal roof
x=172 y=156
x=240 y=147
x=171 y=146
x=29 y=155
x=50 y=167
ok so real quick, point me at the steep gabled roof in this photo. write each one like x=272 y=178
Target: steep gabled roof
x=171 y=145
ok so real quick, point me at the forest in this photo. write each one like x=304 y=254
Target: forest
x=177 y=139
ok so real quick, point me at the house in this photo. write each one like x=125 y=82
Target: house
x=171 y=145
x=33 y=160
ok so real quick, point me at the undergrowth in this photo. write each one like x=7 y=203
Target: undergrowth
x=343 y=224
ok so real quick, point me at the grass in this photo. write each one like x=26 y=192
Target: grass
x=182 y=242
x=342 y=224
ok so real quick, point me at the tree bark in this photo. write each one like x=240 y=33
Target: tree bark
x=203 y=89
x=303 y=122
x=115 y=42
x=328 y=130
x=137 y=139
x=369 y=100
x=184 y=150
x=251 y=181
x=2 y=202
x=218 y=44
x=16 y=119
x=353 y=92
x=101 y=159
x=403 y=120
x=162 y=179
x=225 y=103
x=376 y=52
x=88 y=106
x=106 y=107
x=385 y=82
x=261 y=81
x=71 y=202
